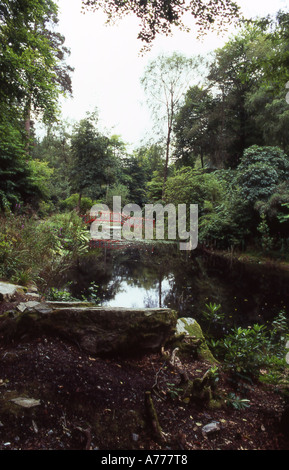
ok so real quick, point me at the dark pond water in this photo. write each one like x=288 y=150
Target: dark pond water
x=185 y=281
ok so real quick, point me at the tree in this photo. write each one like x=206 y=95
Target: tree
x=233 y=78
x=249 y=76
x=195 y=133
x=92 y=164
x=165 y=81
x=151 y=157
x=274 y=60
x=159 y=16
x=33 y=73
x=260 y=171
x=134 y=176
x=32 y=59
x=188 y=186
x=54 y=148
x=270 y=112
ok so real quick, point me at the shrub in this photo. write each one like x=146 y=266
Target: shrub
x=245 y=351
x=70 y=203
x=40 y=251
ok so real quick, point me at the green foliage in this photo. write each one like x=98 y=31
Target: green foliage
x=155 y=188
x=187 y=186
x=227 y=225
x=263 y=229
x=212 y=315
x=272 y=157
x=40 y=177
x=133 y=179
x=92 y=164
x=33 y=75
x=165 y=80
x=13 y=170
x=214 y=375
x=245 y=351
x=284 y=217
x=234 y=401
x=117 y=190
x=63 y=295
x=54 y=148
x=32 y=52
x=40 y=251
x=194 y=121
x=60 y=295
x=257 y=182
x=174 y=391
x=70 y=203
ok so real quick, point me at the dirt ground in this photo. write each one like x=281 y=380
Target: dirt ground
x=87 y=403
x=91 y=403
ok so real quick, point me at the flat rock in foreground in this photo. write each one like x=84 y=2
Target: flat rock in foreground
x=96 y=330
x=7 y=290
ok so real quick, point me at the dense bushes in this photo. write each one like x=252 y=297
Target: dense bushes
x=240 y=206
x=257 y=352
x=40 y=250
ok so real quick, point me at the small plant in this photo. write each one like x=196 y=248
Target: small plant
x=279 y=332
x=174 y=391
x=236 y=402
x=93 y=293
x=216 y=346
x=213 y=315
x=60 y=295
x=244 y=350
x=63 y=295
x=214 y=375
x=257 y=352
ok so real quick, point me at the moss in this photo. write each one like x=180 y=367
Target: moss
x=187 y=327
x=202 y=392
x=196 y=391
x=215 y=404
x=153 y=418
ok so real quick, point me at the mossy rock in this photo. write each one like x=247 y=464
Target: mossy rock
x=95 y=330
x=190 y=337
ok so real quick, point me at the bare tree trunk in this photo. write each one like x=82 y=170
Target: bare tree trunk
x=27 y=125
x=167 y=161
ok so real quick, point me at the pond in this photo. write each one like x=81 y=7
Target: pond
x=162 y=276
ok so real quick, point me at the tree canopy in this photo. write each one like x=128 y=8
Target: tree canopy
x=159 y=16
x=33 y=73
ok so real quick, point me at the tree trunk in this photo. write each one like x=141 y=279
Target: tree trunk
x=79 y=203
x=27 y=125
x=167 y=160
x=202 y=158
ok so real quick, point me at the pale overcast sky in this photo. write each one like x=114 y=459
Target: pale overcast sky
x=108 y=66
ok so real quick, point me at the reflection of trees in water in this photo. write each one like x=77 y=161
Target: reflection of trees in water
x=195 y=279
x=150 y=302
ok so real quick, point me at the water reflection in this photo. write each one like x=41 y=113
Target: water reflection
x=185 y=281
x=132 y=295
